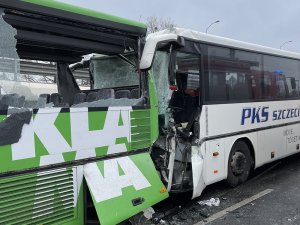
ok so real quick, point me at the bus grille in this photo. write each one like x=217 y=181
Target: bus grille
x=37 y=198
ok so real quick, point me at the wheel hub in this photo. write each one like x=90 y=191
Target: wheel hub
x=238 y=163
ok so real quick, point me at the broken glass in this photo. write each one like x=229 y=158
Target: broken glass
x=19 y=89
x=111 y=72
x=160 y=72
x=9 y=59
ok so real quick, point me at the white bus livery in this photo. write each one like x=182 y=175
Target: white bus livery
x=231 y=107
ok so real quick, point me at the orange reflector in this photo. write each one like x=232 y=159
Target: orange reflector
x=216 y=171
x=216 y=153
x=163 y=190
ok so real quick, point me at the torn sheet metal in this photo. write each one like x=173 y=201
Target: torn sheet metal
x=171 y=163
x=197 y=168
x=123 y=187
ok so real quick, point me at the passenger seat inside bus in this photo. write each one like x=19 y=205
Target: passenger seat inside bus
x=135 y=93
x=57 y=100
x=13 y=100
x=122 y=94
x=43 y=100
x=79 y=98
x=92 y=97
x=106 y=93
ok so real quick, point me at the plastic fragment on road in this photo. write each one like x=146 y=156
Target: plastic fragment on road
x=148 y=213
x=210 y=202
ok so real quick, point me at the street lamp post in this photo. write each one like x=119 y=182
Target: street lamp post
x=218 y=21
x=284 y=43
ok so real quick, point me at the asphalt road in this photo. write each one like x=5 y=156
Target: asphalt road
x=270 y=197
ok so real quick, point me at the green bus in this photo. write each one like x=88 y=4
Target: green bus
x=74 y=146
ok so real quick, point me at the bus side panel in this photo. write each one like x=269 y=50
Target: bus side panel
x=292 y=138
x=269 y=121
x=271 y=145
x=54 y=196
x=232 y=118
x=214 y=161
x=216 y=167
x=55 y=135
x=123 y=187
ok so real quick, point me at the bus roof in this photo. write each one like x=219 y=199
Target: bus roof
x=75 y=13
x=222 y=41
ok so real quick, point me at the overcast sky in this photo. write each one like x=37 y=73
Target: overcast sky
x=265 y=22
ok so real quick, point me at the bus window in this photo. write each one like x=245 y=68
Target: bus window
x=233 y=74
x=185 y=100
x=282 y=74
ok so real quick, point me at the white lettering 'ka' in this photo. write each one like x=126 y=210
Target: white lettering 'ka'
x=111 y=181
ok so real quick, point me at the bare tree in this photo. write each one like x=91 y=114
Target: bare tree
x=155 y=24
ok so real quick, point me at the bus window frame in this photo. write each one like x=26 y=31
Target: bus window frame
x=191 y=47
x=206 y=71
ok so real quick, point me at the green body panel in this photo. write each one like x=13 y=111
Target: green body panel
x=40 y=198
x=140 y=129
x=117 y=209
x=85 y=12
x=141 y=135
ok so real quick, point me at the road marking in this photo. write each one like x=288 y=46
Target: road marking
x=234 y=207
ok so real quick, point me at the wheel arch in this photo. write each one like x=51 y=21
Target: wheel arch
x=251 y=148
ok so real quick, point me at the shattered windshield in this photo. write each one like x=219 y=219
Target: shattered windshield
x=112 y=72
x=160 y=72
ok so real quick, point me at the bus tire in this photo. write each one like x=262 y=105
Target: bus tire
x=239 y=164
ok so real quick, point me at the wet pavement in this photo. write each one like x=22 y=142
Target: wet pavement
x=276 y=191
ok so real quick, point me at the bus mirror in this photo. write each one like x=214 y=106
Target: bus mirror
x=181 y=41
x=293 y=83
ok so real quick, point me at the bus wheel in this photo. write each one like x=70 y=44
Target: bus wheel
x=239 y=164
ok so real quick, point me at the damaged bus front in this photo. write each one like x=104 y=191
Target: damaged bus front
x=76 y=117
x=173 y=64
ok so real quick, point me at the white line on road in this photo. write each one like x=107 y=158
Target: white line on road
x=234 y=207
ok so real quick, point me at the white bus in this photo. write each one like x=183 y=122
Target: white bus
x=230 y=107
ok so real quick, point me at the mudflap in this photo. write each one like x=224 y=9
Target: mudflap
x=197 y=169
x=123 y=187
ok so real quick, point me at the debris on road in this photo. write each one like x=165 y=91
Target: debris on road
x=210 y=202
x=148 y=213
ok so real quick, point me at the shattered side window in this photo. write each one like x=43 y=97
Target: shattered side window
x=20 y=87
x=9 y=59
x=112 y=72
x=160 y=72
x=11 y=127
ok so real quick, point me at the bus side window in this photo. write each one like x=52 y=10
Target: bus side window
x=217 y=86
